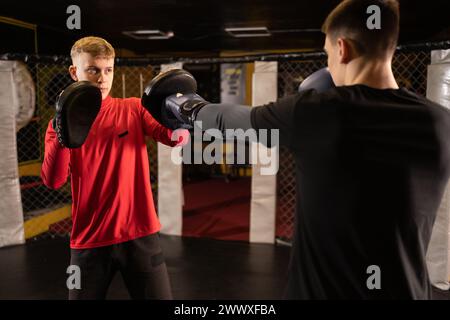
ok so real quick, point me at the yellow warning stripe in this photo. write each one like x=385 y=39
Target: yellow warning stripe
x=30 y=169
x=38 y=225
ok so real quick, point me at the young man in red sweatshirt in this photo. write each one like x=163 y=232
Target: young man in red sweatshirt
x=115 y=226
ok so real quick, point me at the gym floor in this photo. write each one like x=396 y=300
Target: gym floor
x=199 y=269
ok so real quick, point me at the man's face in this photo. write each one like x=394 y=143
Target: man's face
x=334 y=62
x=98 y=70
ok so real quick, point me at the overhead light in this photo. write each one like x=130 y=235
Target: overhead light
x=248 y=32
x=296 y=31
x=149 y=34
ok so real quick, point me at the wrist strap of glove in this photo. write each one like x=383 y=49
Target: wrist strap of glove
x=56 y=124
x=191 y=108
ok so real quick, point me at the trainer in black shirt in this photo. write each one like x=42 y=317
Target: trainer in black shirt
x=372 y=161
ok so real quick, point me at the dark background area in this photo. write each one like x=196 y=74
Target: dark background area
x=199 y=25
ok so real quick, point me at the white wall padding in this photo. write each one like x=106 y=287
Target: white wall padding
x=438 y=90
x=24 y=94
x=263 y=203
x=15 y=84
x=170 y=192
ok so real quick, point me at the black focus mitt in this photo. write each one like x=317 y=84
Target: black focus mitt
x=76 y=109
x=175 y=81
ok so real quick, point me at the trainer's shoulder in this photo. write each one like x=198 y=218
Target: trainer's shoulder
x=332 y=94
x=308 y=97
x=440 y=113
x=320 y=101
x=429 y=104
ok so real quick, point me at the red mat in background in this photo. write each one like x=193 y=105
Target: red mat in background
x=217 y=209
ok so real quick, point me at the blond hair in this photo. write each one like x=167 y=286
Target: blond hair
x=95 y=46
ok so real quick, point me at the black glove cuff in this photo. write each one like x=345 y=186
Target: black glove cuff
x=190 y=109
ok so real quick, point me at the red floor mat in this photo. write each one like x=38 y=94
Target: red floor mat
x=217 y=209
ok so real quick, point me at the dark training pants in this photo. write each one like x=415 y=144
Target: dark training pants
x=140 y=261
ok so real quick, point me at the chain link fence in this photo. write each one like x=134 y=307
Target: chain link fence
x=290 y=75
x=51 y=76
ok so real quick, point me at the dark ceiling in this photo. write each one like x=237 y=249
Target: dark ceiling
x=198 y=24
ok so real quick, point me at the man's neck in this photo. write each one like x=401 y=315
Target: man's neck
x=375 y=74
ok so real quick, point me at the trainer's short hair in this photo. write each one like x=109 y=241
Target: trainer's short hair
x=95 y=46
x=349 y=21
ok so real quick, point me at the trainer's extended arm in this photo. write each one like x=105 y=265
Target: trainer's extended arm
x=190 y=107
x=274 y=119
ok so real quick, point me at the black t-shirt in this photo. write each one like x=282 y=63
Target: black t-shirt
x=371 y=169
